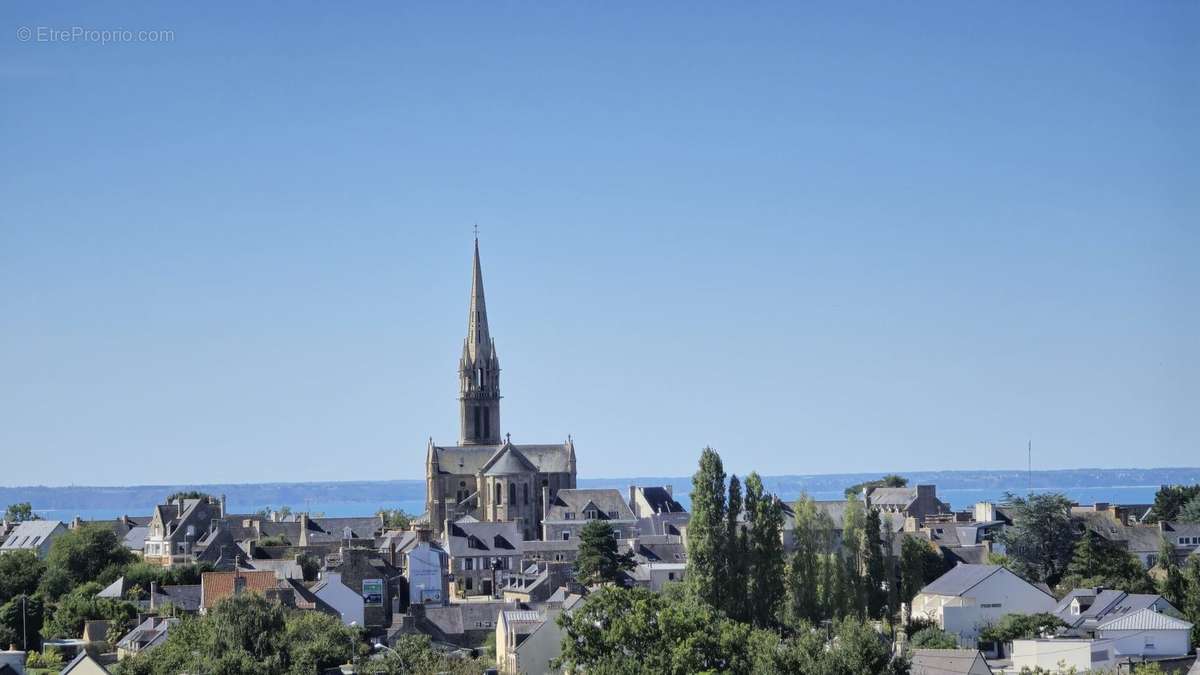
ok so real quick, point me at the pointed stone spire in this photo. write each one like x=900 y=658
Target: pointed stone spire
x=479 y=340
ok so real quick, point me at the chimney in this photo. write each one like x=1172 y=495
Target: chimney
x=633 y=501
x=153 y=592
x=670 y=490
x=392 y=552
x=303 y=529
x=76 y=523
x=222 y=506
x=545 y=501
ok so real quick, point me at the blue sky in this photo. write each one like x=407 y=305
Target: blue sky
x=819 y=237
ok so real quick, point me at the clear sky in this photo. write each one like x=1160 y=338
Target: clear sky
x=819 y=237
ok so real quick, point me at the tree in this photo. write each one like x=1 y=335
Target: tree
x=1191 y=596
x=1041 y=540
x=737 y=555
x=81 y=605
x=804 y=568
x=932 y=637
x=1190 y=513
x=873 y=567
x=20 y=512
x=1021 y=627
x=890 y=480
x=920 y=563
x=22 y=617
x=765 y=580
x=1170 y=500
x=706 y=540
x=89 y=553
x=20 y=573
x=396 y=519
x=598 y=560
x=1098 y=562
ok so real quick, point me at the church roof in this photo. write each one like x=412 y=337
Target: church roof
x=508 y=461
x=469 y=459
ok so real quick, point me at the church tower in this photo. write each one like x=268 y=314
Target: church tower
x=478 y=372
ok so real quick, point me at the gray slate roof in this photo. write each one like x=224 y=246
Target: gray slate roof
x=478 y=539
x=30 y=533
x=1145 y=619
x=660 y=500
x=456 y=459
x=960 y=579
x=575 y=501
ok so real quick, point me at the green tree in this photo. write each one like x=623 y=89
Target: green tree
x=189 y=494
x=706 y=542
x=737 y=555
x=316 y=641
x=858 y=649
x=804 y=568
x=920 y=563
x=1099 y=562
x=598 y=560
x=1190 y=513
x=81 y=605
x=89 y=553
x=1021 y=627
x=1170 y=500
x=1041 y=540
x=890 y=480
x=395 y=519
x=1191 y=596
x=873 y=567
x=932 y=637
x=765 y=580
x=20 y=512
x=22 y=618
x=20 y=573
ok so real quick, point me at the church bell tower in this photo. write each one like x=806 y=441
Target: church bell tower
x=478 y=372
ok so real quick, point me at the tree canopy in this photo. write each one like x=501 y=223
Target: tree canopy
x=1041 y=540
x=890 y=480
x=598 y=560
x=89 y=553
x=1170 y=500
x=20 y=512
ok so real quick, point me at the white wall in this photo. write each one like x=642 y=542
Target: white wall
x=427 y=575
x=341 y=597
x=1133 y=642
x=1001 y=593
x=1052 y=655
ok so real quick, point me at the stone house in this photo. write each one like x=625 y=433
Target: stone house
x=569 y=510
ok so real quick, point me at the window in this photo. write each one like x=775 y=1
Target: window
x=468 y=563
x=590 y=514
x=525 y=489
x=612 y=514
x=670 y=576
x=496 y=493
x=993 y=605
x=566 y=536
x=512 y=494
x=1149 y=642
x=569 y=515
x=470 y=583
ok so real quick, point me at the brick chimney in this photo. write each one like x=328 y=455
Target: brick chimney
x=303 y=529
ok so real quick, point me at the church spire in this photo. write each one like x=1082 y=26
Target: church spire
x=478 y=370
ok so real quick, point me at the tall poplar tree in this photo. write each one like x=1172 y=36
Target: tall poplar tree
x=737 y=559
x=804 y=569
x=766 y=553
x=706 y=532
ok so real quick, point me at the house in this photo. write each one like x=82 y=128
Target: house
x=948 y=662
x=177 y=528
x=1142 y=540
x=917 y=502
x=1145 y=633
x=84 y=664
x=527 y=641
x=145 y=636
x=376 y=582
x=1084 y=609
x=12 y=661
x=570 y=509
x=1056 y=655
x=347 y=602
x=466 y=624
x=656 y=510
x=427 y=566
x=33 y=535
x=480 y=553
x=185 y=598
x=656 y=575
x=969 y=597
x=216 y=586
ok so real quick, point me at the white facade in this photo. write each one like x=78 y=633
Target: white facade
x=427 y=579
x=347 y=601
x=967 y=611
x=1056 y=655
x=33 y=535
x=1146 y=633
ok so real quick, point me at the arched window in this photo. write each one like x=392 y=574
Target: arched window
x=498 y=491
x=525 y=487
x=512 y=494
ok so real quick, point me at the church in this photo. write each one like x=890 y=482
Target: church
x=485 y=476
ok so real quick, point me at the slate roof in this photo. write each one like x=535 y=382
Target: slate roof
x=1145 y=619
x=80 y=658
x=184 y=596
x=475 y=539
x=508 y=463
x=456 y=459
x=576 y=501
x=945 y=661
x=148 y=633
x=135 y=538
x=660 y=500
x=892 y=496
x=30 y=534
x=960 y=579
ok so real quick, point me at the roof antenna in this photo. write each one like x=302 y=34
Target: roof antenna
x=477 y=230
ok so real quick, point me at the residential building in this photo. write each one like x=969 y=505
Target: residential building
x=570 y=509
x=948 y=662
x=216 y=586
x=374 y=579
x=84 y=664
x=480 y=553
x=486 y=476
x=347 y=602
x=527 y=641
x=145 y=636
x=1145 y=633
x=33 y=535
x=968 y=597
x=427 y=566
x=177 y=528
x=917 y=502
x=1085 y=609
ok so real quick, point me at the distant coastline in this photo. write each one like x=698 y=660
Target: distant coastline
x=960 y=488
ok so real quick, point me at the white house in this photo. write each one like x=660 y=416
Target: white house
x=1057 y=655
x=428 y=582
x=1145 y=633
x=348 y=602
x=948 y=662
x=33 y=535
x=970 y=597
x=527 y=641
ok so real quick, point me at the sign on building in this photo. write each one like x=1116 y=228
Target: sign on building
x=372 y=592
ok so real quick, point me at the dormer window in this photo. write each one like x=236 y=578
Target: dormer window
x=590 y=514
x=612 y=515
x=569 y=515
